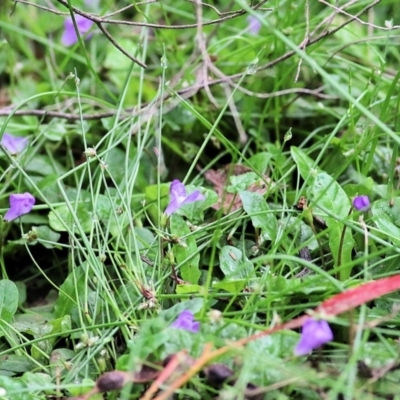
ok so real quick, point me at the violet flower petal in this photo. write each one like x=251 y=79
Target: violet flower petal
x=314 y=334
x=177 y=189
x=14 y=144
x=69 y=36
x=178 y=197
x=177 y=193
x=186 y=322
x=195 y=196
x=361 y=203
x=20 y=204
x=92 y=3
x=254 y=24
x=172 y=207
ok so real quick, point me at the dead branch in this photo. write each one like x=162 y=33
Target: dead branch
x=192 y=90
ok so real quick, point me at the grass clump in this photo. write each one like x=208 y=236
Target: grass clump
x=194 y=168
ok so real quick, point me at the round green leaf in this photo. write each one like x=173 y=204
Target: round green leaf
x=62 y=220
x=8 y=299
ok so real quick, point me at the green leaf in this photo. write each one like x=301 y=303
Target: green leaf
x=118 y=225
x=327 y=195
x=48 y=186
x=194 y=212
x=53 y=131
x=387 y=218
x=103 y=208
x=151 y=338
x=127 y=296
x=12 y=364
x=44 y=233
x=280 y=344
x=230 y=286
x=304 y=163
x=335 y=234
x=234 y=264
x=261 y=216
x=39 y=326
x=13 y=385
x=243 y=181
x=145 y=240
x=260 y=161
x=36 y=381
x=21 y=286
x=185 y=289
x=85 y=386
x=365 y=186
x=8 y=300
x=302 y=232
x=60 y=356
x=64 y=214
x=116 y=161
x=276 y=154
x=45 y=166
x=151 y=194
x=71 y=290
x=186 y=253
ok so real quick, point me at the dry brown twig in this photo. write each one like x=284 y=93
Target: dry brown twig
x=341 y=10
x=223 y=16
x=100 y=21
x=206 y=61
x=326 y=22
x=306 y=38
x=192 y=90
x=208 y=65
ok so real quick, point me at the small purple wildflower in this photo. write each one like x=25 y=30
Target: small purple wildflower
x=92 y=3
x=69 y=36
x=254 y=24
x=14 y=144
x=186 y=322
x=361 y=203
x=178 y=197
x=20 y=204
x=314 y=334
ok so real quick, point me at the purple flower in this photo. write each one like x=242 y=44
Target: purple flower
x=14 y=144
x=254 y=24
x=314 y=334
x=69 y=36
x=92 y=3
x=178 y=197
x=20 y=204
x=185 y=322
x=361 y=203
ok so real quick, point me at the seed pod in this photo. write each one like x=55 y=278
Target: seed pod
x=113 y=380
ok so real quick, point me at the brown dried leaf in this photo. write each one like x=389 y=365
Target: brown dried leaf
x=113 y=380
x=218 y=374
x=146 y=374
